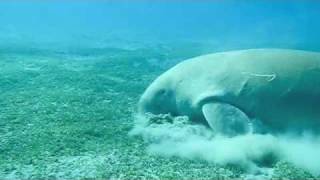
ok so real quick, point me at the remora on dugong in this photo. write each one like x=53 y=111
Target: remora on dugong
x=273 y=89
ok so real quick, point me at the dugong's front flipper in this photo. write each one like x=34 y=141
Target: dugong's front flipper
x=226 y=119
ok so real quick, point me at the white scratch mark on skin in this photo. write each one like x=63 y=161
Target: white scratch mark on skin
x=270 y=77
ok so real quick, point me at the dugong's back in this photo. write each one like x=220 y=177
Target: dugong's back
x=274 y=85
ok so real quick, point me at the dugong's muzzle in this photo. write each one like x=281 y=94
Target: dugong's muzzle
x=157 y=101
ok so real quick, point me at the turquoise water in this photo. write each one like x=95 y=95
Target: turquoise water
x=222 y=25
x=71 y=73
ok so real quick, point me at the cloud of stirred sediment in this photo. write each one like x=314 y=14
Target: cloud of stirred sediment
x=251 y=152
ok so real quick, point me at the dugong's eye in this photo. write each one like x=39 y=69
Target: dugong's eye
x=161 y=92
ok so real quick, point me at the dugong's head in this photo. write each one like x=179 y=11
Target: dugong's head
x=158 y=98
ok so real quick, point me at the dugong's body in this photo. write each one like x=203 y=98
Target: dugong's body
x=273 y=89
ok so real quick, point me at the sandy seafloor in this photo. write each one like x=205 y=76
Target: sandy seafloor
x=66 y=114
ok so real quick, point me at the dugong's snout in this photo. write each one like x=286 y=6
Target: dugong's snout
x=157 y=101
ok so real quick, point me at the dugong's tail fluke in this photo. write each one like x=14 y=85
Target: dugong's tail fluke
x=226 y=119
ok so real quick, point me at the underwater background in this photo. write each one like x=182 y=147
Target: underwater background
x=71 y=74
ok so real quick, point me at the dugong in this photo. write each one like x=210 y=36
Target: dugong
x=235 y=92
